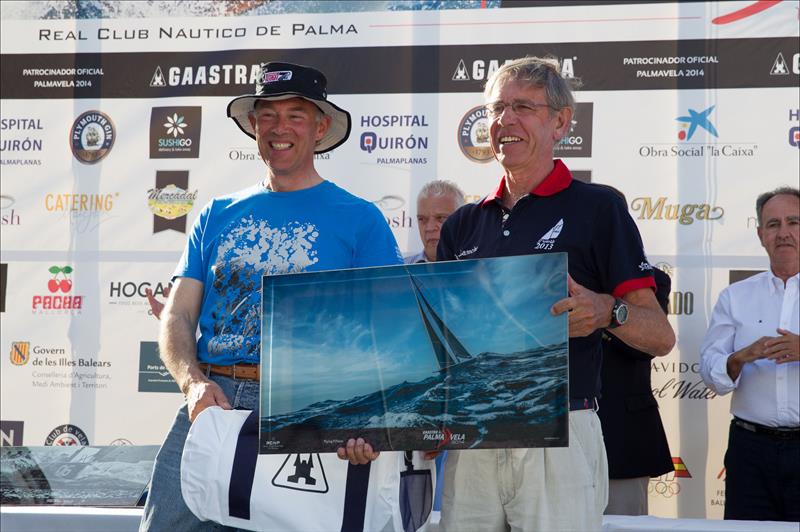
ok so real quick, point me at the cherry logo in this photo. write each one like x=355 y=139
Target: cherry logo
x=60 y=282
x=55 y=284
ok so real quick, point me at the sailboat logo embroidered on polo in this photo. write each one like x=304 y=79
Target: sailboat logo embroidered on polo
x=549 y=238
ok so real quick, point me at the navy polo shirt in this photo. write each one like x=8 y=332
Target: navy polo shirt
x=590 y=223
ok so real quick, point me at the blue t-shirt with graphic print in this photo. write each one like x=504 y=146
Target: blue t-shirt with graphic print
x=237 y=239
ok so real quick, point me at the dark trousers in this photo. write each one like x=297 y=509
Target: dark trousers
x=762 y=477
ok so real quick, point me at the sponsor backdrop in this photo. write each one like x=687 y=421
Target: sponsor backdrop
x=114 y=136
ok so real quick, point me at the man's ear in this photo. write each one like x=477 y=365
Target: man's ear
x=564 y=122
x=322 y=127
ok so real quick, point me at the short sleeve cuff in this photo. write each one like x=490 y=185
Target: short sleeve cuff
x=634 y=284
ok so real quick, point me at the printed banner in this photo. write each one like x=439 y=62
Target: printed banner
x=651 y=65
x=689 y=108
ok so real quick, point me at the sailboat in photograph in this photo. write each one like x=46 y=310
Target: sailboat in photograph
x=448 y=349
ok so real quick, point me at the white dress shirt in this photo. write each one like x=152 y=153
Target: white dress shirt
x=414 y=259
x=765 y=392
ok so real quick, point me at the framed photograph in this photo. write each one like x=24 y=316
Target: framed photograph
x=445 y=355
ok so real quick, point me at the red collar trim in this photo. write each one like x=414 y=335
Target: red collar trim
x=497 y=194
x=556 y=181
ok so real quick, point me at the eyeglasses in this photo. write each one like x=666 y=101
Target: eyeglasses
x=520 y=108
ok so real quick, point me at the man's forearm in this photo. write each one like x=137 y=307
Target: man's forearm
x=737 y=359
x=647 y=330
x=178 y=348
x=734 y=363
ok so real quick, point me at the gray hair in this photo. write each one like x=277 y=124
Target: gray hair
x=540 y=72
x=442 y=187
x=766 y=196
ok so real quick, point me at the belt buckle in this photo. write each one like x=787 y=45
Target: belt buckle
x=233 y=367
x=747 y=426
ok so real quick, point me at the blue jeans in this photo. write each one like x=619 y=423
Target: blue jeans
x=165 y=509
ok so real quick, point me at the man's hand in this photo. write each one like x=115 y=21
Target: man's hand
x=755 y=351
x=358 y=452
x=156 y=306
x=588 y=310
x=784 y=348
x=202 y=394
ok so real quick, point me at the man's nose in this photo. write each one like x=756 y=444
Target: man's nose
x=784 y=231
x=508 y=116
x=280 y=124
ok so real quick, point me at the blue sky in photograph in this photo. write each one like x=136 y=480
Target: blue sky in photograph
x=336 y=335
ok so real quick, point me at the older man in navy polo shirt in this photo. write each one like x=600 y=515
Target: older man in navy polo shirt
x=538 y=208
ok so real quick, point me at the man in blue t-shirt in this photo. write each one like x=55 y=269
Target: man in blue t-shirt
x=291 y=221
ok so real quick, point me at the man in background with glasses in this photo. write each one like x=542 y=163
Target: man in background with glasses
x=538 y=208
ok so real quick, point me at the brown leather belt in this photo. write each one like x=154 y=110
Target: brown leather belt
x=248 y=372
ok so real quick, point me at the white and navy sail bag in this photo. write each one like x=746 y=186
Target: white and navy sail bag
x=224 y=479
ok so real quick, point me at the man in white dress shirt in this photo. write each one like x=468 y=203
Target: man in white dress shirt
x=435 y=202
x=752 y=349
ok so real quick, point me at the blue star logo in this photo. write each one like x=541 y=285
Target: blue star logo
x=695 y=120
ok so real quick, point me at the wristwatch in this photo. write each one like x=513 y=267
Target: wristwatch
x=619 y=314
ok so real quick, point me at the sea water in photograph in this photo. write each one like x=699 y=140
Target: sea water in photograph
x=449 y=355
